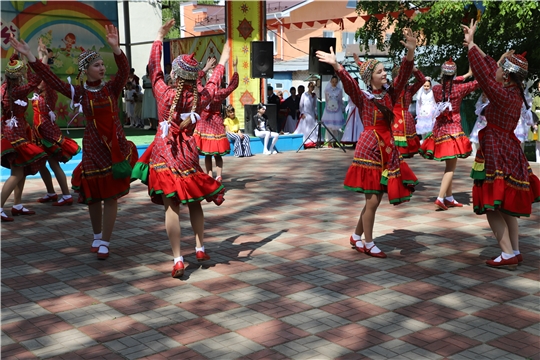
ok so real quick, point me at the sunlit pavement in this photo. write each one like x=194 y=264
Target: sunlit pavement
x=283 y=282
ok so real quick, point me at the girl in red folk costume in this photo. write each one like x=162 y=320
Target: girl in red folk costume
x=504 y=185
x=104 y=174
x=18 y=152
x=48 y=135
x=377 y=166
x=448 y=142
x=404 y=128
x=210 y=134
x=170 y=166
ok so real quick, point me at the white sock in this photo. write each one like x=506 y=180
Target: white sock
x=103 y=247
x=374 y=249
x=66 y=197
x=199 y=249
x=356 y=237
x=516 y=252
x=440 y=199
x=180 y=258
x=96 y=243
x=18 y=206
x=506 y=256
x=97 y=236
x=450 y=198
x=359 y=244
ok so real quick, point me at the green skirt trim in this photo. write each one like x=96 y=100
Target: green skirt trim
x=186 y=201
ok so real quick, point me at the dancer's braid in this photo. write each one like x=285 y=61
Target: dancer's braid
x=187 y=121
x=179 y=87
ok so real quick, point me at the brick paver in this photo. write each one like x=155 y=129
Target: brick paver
x=283 y=282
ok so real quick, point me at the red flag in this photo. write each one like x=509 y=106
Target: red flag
x=287 y=26
x=379 y=16
x=423 y=10
x=410 y=13
x=322 y=22
x=352 y=18
x=366 y=17
x=310 y=23
x=337 y=21
x=394 y=14
x=298 y=24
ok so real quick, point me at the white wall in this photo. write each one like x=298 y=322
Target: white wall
x=144 y=20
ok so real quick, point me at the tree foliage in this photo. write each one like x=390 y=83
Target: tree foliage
x=503 y=25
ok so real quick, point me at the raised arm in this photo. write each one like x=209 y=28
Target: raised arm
x=420 y=81
x=42 y=70
x=405 y=72
x=159 y=85
x=221 y=94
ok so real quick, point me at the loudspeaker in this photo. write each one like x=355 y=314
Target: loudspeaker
x=262 y=59
x=251 y=110
x=320 y=43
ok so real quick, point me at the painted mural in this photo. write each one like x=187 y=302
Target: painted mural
x=67 y=28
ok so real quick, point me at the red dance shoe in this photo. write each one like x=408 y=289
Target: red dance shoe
x=510 y=264
x=63 y=202
x=353 y=244
x=23 y=211
x=48 y=198
x=519 y=258
x=6 y=218
x=103 y=256
x=178 y=270
x=440 y=205
x=381 y=254
x=450 y=204
x=202 y=256
x=218 y=199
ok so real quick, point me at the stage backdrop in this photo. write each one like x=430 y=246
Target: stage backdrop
x=245 y=23
x=67 y=28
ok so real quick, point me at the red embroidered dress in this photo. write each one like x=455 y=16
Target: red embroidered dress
x=209 y=131
x=404 y=128
x=502 y=176
x=447 y=139
x=377 y=165
x=105 y=169
x=46 y=133
x=17 y=147
x=170 y=165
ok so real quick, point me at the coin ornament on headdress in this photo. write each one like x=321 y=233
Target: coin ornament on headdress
x=186 y=67
x=15 y=68
x=449 y=67
x=86 y=59
x=517 y=64
x=366 y=70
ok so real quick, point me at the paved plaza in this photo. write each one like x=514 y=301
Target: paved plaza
x=283 y=282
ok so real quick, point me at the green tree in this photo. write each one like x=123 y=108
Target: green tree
x=503 y=25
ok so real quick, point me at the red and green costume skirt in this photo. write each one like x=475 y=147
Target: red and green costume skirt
x=96 y=182
x=18 y=151
x=183 y=184
x=505 y=193
x=448 y=146
x=389 y=174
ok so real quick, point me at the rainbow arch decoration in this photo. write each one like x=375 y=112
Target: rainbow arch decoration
x=67 y=28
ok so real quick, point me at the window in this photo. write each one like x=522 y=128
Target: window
x=348 y=38
x=271 y=36
x=328 y=34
